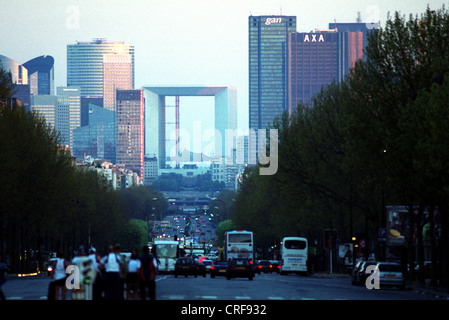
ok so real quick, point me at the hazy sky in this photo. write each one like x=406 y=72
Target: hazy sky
x=177 y=42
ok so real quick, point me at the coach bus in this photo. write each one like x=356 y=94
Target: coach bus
x=294 y=252
x=239 y=244
x=166 y=252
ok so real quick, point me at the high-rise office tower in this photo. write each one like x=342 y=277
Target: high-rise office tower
x=68 y=113
x=46 y=106
x=268 y=68
x=314 y=63
x=41 y=75
x=19 y=76
x=117 y=74
x=85 y=64
x=320 y=57
x=18 y=72
x=130 y=130
x=96 y=139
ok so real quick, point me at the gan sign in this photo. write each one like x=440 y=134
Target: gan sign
x=273 y=20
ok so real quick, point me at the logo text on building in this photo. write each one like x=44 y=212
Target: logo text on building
x=273 y=20
x=312 y=38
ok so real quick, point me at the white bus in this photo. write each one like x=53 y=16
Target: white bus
x=166 y=252
x=239 y=244
x=294 y=253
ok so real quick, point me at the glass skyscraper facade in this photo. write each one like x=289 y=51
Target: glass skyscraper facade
x=41 y=75
x=85 y=64
x=268 y=68
x=314 y=63
x=68 y=113
x=96 y=139
x=130 y=130
x=318 y=58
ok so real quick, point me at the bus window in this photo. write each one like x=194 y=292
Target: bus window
x=295 y=244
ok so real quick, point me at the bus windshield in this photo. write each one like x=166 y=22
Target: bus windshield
x=295 y=244
x=240 y=238
x=166 y=250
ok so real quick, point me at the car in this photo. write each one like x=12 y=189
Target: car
x=240 y=268
x=427 y=270
x=208 y=264
x=355 y=271
x=186 y=267
x=220 y=268
x=275 y=265
x=362 y=273
x=390 y=274
x=202 y=271
x=264 y=266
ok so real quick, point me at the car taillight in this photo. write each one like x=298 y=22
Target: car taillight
x=212 y=267
x=260 y=267
x=271 y=266
x=279 y=267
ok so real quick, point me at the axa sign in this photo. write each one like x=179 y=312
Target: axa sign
x=313 y=37
x=273 y=20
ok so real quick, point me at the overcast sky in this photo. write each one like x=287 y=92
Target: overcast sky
x=177 y=42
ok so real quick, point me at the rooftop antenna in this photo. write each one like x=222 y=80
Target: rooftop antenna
x=359 y=17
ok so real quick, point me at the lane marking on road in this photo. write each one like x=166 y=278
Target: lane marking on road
x=242 y=298
x=159 y=278
x=275 y=298
x=209 y=297
x=175 y=297
x=14 y=298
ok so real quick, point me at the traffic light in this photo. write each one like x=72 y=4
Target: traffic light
x=87 y=271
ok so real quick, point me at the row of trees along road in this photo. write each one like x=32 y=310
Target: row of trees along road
x=380 y=137
x=47 y=204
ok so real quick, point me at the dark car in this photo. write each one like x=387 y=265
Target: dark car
x=275 y=265
x=264 y=266
x=355 y=271
x=201 y=269
x=186 y=267
x=362 y=273
x=240 y=268
x=220 y=268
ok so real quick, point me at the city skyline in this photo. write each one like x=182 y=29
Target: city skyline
x=176 y=42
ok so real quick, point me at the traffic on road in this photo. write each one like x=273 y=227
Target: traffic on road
x=189 y=266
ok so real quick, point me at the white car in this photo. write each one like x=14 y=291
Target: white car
x=390 y=274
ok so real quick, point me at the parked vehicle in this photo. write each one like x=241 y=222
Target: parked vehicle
x=362 y=273
x=355 y=271
x=390 y=274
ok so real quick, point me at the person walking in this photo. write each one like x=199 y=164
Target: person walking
x=111 y=263
x=59 y=275
x=147 y=274
x=132 y=279
x=97 y=287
